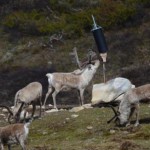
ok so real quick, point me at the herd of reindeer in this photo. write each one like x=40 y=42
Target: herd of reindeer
x=78 y=79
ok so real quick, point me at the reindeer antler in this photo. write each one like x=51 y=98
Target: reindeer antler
x=75 y=54
x=90 y=59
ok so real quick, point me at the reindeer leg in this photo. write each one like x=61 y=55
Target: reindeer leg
x=137 y=107
x=9 y=118
x=17 y=116
x=24 y=117
x=9 y=147
x=54 y=98
x=33 y=109
x=81 y=96
x=21 y=142
x=40 y=105
x=47 y=94
x=131 y=114
x=1 y=145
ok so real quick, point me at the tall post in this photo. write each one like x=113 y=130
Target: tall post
x=101 y=43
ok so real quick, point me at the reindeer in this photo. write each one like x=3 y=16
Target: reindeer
x=79 y=79
x=130 y=104
x=30 y=94
x=14 y=134
x=110 y=91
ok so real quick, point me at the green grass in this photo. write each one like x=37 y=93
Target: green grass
x=54 y=132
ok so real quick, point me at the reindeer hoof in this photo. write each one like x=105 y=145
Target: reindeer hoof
x=43 y=107
x=136 y=124
x=128 y=124
x=56 y=109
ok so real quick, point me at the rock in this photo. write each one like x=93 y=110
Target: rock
x=44 y=133
x=76 y=109
x=67 y=120
x=62 y=109
x=52 y=110
x=89 y=127
x=87 y=106
x=7 y=56
x=4 y=110
x=2 y=115
x=112 y=131
x=74 y=116
x=125 y=132
x=49 y=63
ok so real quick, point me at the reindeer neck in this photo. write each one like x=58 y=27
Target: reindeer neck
x=88 y=75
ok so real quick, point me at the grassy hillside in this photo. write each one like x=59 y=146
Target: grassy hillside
x=28 y=48
x=27 y=29
x=36 y=37
x=88 y=131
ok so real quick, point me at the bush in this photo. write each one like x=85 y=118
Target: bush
x=145 y=3
x=63 y=17
x=32 y=23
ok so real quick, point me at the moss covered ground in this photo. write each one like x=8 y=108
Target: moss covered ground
x=88 y=131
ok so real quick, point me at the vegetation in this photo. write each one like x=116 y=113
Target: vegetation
x=60 y=131
x=26 y=28
x=36 y=37
x=47 y=17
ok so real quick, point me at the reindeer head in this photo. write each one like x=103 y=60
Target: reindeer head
x=93 y=65
x=91 y=59
x=121 y=116
x=14 y=113
x=124 y=113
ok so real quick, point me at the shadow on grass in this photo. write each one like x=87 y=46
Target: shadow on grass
x=142 y=121
x=145 y=121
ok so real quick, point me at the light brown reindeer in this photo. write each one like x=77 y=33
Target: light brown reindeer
x=30 y=94
x=58 y=81
x=14 y=134
x=78 y=79
x=130 y=103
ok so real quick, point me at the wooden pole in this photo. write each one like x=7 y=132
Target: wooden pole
x=104 y=56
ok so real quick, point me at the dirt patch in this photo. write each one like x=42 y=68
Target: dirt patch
x=41 y=148
x=131 y=129
x=127 y=145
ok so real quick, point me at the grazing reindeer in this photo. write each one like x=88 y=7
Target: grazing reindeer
x=130 y=103
x=30 y=94
x=111 y=91
x=58 y=81
x=13 y=134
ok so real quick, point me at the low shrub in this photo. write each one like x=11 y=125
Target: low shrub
x=68 y=17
